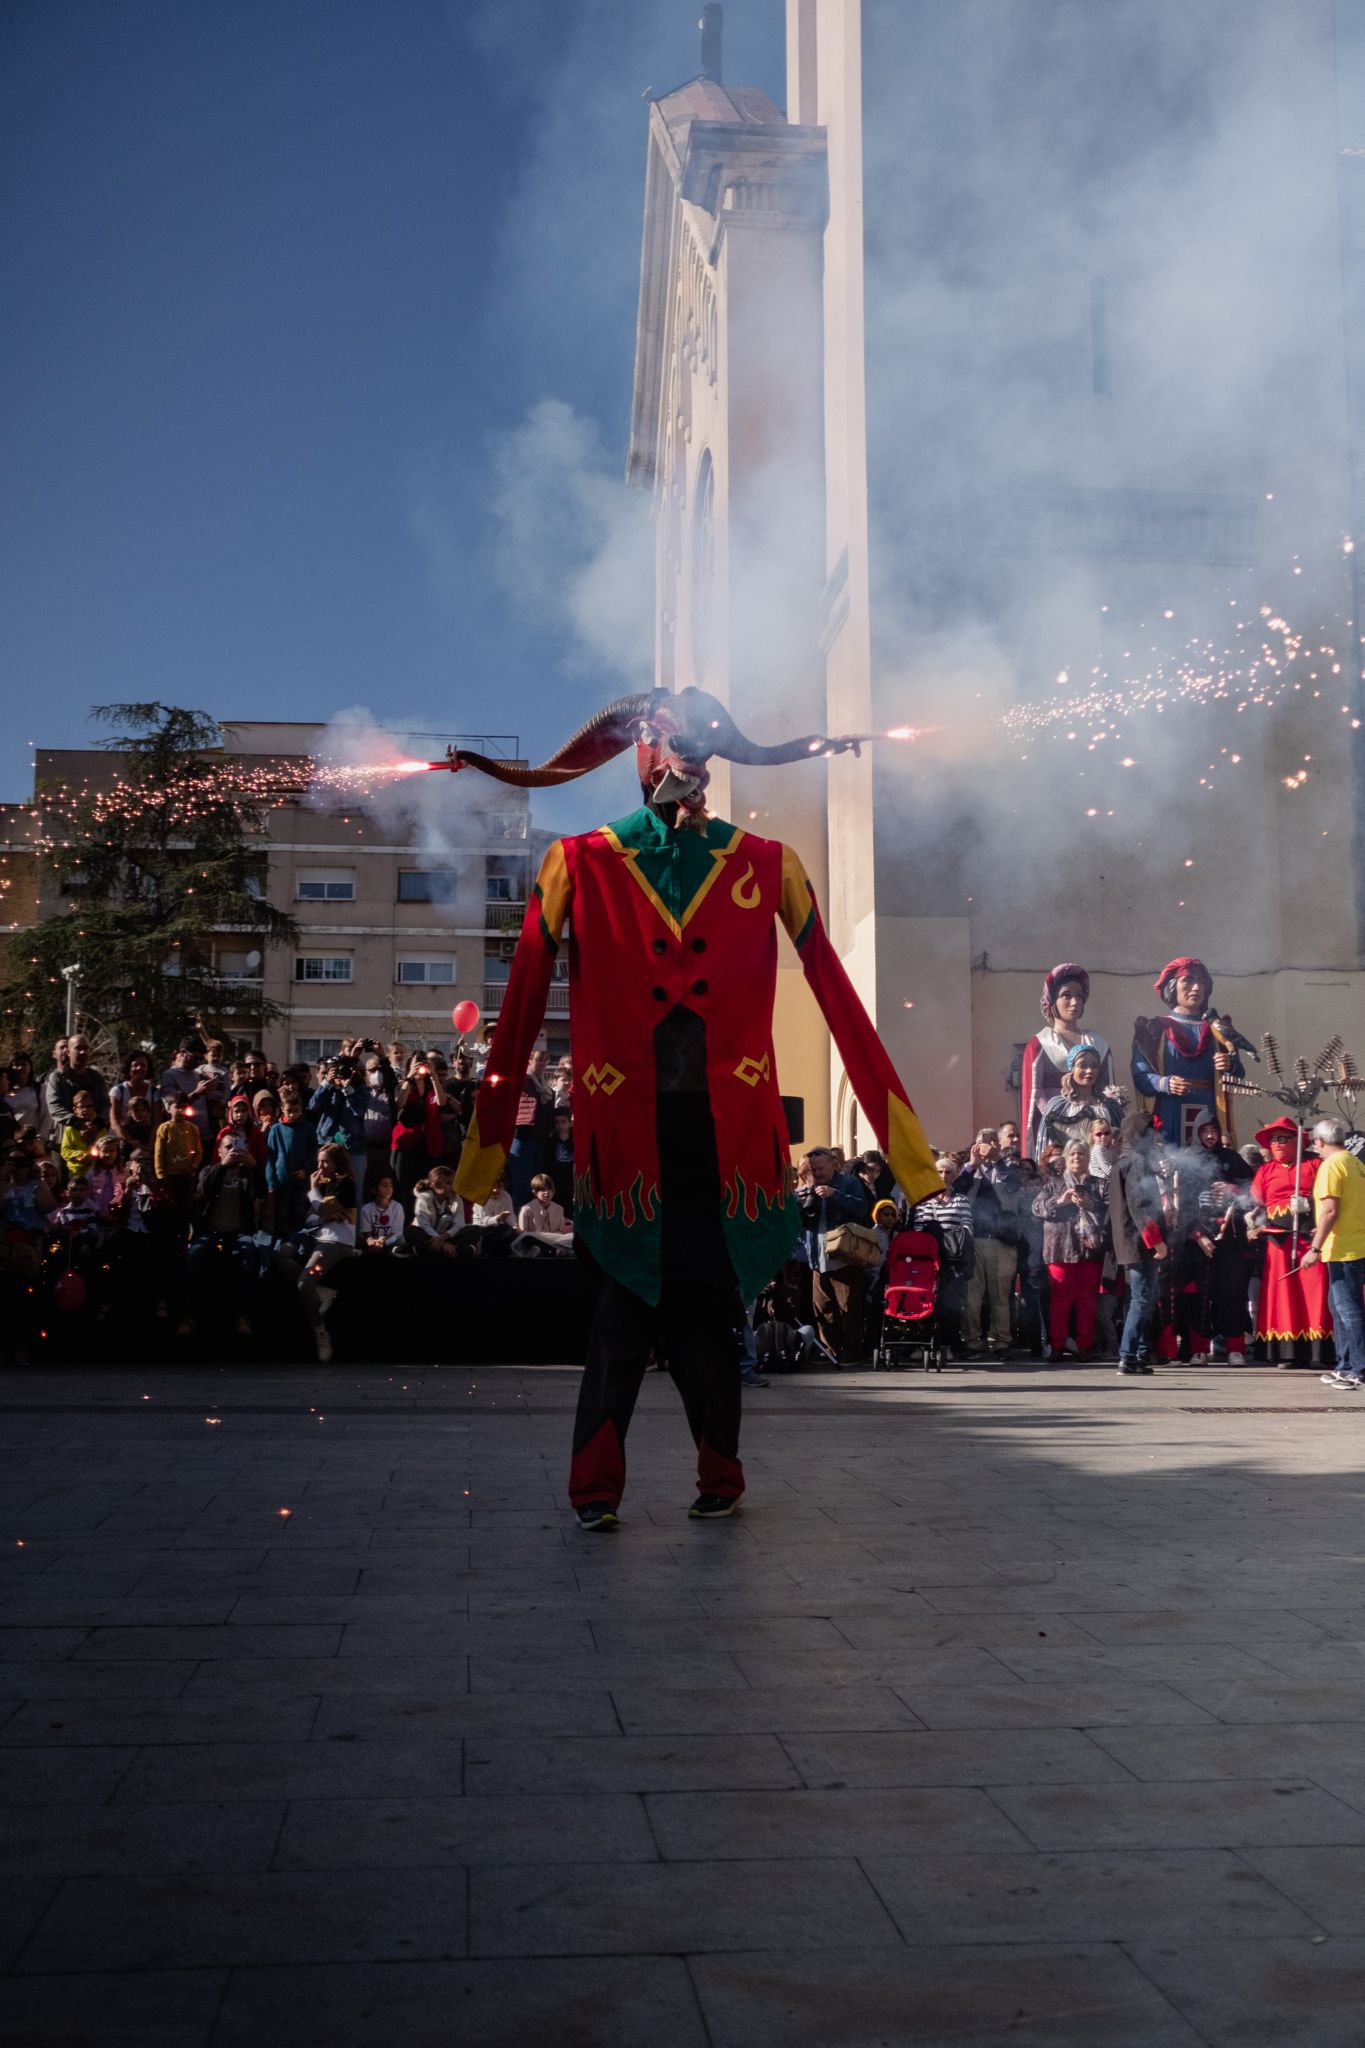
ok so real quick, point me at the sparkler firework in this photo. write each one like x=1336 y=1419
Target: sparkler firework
x=1265 y=660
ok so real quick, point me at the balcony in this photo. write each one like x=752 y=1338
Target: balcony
x=507 y=825
x=503 y=917
x=556 y=1002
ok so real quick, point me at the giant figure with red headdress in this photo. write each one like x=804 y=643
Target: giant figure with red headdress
x=1179 y=1057
x=681 y=1174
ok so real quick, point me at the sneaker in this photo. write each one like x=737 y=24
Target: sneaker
x=753 y=1379
x=1341 y=1379
x=324 y=1343
x=1237 y=1358
x=713 y=1507
x=1145 y=1366
x=598 y=1514
x=1128 y=1366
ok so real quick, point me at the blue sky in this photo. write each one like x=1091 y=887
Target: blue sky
x=301 y=300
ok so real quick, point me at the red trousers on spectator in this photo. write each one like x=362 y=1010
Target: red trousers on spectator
x=1075 y=1287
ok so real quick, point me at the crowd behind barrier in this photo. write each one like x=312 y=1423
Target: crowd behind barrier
x=217 y=1201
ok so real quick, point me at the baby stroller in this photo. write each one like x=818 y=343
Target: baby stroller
x=910 y=1321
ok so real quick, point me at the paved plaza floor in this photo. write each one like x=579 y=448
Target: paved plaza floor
x=1022 y=1706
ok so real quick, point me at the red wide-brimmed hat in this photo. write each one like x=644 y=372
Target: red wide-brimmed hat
x=1283 y=1127
x=1181 y=966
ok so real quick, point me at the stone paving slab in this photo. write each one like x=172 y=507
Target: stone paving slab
x=137 y=1841
x=579 y=2002
x=630 y=1763
x=668 y=1908
x=713 y=1826
x=133 y=2009
x=1087 y=1895
x=1018 y=1706
x=1037 y=1997
x=199 y=1922
x=1244 y=1995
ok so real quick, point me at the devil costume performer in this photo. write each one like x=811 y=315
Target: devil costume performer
x=681 y=1176
x=1182 y=1046
x=1293 y=1301
x=1047 y=1052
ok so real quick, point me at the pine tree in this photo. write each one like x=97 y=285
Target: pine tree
x=154 y=869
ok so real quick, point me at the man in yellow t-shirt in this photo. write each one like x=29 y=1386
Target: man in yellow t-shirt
x=1339 y=1241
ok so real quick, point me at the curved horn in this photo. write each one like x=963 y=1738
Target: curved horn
x=608 y=733
x=711 y=726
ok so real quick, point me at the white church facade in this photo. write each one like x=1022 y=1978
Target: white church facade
x=938 y=422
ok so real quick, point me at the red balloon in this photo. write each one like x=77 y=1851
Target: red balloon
x=69 y=1292
x=465 y=1016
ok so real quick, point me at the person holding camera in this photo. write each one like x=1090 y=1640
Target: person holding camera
x=418 y=1128
x=829 y=1202
x=995 y=1188
x=337 y=1108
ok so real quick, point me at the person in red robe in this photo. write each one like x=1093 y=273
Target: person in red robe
x=1293 y=1305
x=682 y=1180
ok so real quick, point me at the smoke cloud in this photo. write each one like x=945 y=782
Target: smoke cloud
x=1108 y=442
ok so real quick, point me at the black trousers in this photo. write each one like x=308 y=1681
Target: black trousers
x=692 y=1331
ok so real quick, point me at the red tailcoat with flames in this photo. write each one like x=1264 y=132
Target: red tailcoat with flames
x=658 y=917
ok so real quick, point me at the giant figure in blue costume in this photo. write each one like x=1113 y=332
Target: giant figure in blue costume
x=1179 y=1058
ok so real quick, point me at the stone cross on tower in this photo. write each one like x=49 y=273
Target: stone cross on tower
x=710 y=26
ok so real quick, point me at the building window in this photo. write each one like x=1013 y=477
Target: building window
x=425 y=885
x=429 y=971
x=321 y=887
x=504 y=879
x=247 y=965
x=310 y=1050
x=322 y=967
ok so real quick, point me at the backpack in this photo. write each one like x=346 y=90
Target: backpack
x=785 y=1347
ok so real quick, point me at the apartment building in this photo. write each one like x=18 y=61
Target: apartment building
x=405 y=905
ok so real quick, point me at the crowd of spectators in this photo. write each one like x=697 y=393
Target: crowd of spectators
x=169 y=1193
x=170 y=1196
x=1110 y=1246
